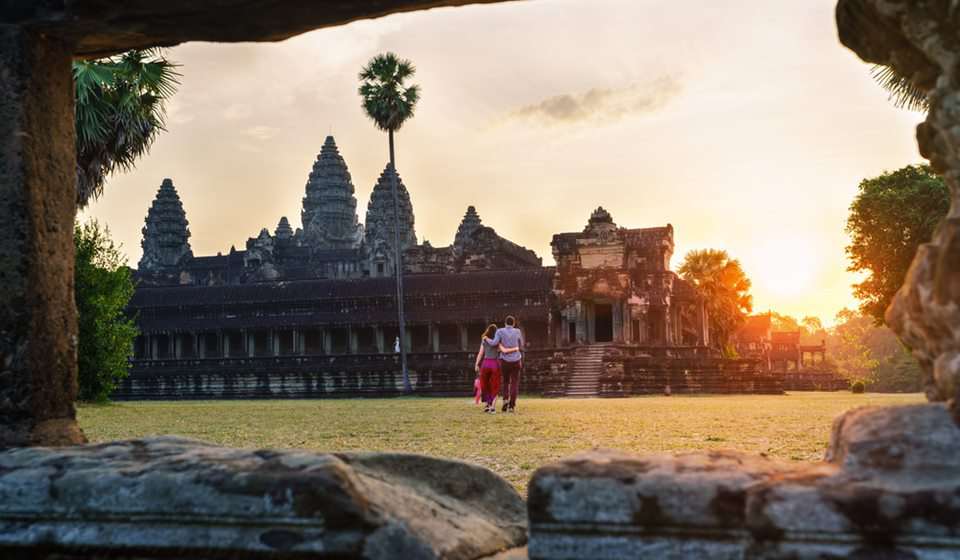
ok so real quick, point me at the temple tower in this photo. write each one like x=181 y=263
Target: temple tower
x=469 y=224
x=329 y=212
x=379 y=223
x=283 y=231
x=165 y=233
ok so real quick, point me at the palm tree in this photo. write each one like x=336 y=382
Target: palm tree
x=119 y=112
x=725 y=288
x=389 y=104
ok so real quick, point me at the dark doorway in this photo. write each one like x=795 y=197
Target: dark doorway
x=603 y=322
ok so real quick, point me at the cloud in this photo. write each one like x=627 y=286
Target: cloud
x=237 y=111
x=261 y=132
x=602 y=104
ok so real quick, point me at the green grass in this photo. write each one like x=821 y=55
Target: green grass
x=795 y=426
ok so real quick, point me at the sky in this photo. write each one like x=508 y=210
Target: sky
x=743 y=123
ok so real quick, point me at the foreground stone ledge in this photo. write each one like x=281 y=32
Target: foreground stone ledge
x=167 y=496
x=890 y=490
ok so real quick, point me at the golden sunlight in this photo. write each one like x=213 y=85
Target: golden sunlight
x=782 y=267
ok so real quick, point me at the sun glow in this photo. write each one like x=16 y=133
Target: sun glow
x=782 y=267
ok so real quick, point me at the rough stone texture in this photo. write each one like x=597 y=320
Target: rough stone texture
x=921 y=41
x=100 y=28
x=166 y=496
x=38 y=326
x=166 y=238
x=329 y=214
x=445 y=374
x=884 y=494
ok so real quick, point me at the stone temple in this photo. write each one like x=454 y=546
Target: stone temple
x=311 y=311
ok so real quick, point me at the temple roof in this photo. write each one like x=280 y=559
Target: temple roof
x=493 y=282
x=470 y=222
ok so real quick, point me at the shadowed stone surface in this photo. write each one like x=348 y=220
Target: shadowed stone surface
x=100 y=28
x=884 y=494
x=162 y=496
x=921 y=41
x=38 y=324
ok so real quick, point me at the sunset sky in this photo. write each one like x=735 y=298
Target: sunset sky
x=745 y=124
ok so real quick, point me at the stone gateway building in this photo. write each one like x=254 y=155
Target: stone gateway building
x=311 y=311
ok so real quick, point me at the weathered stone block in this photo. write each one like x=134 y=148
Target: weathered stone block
x=885 y=493
x=168 y=496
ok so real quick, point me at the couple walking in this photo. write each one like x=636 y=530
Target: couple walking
x=498 y=365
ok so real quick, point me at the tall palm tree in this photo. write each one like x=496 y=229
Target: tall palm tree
x=119 y=112
x=389 y=104
x=725 y=288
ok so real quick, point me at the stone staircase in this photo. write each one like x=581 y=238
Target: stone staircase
x=587 y=364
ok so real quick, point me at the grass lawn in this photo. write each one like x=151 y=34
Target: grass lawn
x=795 y=426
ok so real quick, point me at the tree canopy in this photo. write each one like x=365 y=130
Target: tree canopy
x=890 y=217
x=103 y=287
x=119 y=112
x=721 y=281
x=384 y=97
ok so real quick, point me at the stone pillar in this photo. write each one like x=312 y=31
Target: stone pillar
x=464 y=337
x=581 y=323
x=249 y=342
x=617 y=317
x=295 y=342
x=177 y=345
x=201 y=345
x=274 y=342
x=327 y=341
x=550 y=319
x=352 y=342
x=38 y=316
x=378 y=336
x=667 y=326
x=435 y=337
x=224 y=344
x=408 y=339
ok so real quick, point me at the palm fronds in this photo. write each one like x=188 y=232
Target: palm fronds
x=384 y=98
x=119 y=112
x=903 y=92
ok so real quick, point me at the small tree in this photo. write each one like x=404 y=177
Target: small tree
x=103 y=287
x=890 y=217
x=725 y=287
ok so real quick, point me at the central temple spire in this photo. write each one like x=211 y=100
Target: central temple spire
x=165 y=234
x=329 y=212
x=379 y=222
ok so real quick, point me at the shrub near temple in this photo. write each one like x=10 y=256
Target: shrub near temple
x=103 y=288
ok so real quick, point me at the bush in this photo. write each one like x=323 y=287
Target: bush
x=858 y=387
x=103 y=288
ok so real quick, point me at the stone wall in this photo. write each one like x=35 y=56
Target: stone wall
x=358 y=375
x=814 y=380
x=646 y=375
